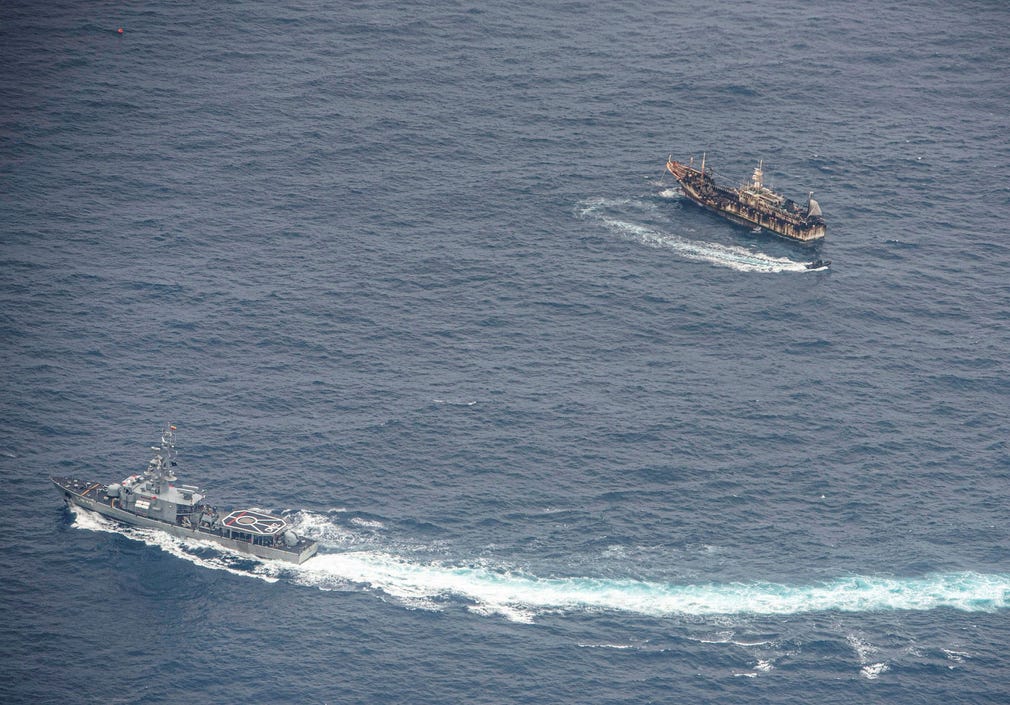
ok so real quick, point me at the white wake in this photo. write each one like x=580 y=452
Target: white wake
x=608 y=213
x=497 y=589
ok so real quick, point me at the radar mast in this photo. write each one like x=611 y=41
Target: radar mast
x=160 y=467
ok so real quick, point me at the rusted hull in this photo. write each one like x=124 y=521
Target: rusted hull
x=701 y=189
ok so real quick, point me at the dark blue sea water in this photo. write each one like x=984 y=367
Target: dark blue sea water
x=411 y=274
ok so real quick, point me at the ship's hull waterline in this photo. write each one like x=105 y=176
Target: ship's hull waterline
x=156 y=499
x=753 y=206
x=182 y=532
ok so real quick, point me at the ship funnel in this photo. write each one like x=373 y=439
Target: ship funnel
x=813 y=208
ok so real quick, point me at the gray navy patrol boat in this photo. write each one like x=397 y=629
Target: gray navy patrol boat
x=154 y=500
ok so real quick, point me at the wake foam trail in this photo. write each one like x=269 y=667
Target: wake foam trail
x=202 y=553
x=738 y=258
x=521 y=597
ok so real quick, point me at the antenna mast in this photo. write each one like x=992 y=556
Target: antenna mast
x=160 y=467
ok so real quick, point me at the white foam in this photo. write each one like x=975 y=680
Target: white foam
x=368 y=523
x=863 y=649
x=956 y=656
x=872 y=671
x=521 y=597
x=93 y=521
x=727 y=637
x=319 y=527
x=206 y=554
x=516 y=595
x=456 y=402
x=592 y=206
x=731 y=256
x=864 y=652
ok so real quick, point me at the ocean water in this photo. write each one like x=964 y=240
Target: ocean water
x=411 y=274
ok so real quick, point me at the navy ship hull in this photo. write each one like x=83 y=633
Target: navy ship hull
x=95 y=497
x=155 y=499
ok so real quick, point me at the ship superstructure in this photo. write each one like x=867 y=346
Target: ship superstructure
x=155 y=499
x=752 y=204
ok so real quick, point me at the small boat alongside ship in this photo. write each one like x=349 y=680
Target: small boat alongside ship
x=154 y=499
x=752 y=204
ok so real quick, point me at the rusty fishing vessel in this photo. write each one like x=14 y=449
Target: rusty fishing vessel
x=752 y=204
x=155 y=499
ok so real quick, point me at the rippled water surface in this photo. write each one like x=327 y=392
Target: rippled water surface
x=411 y=274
